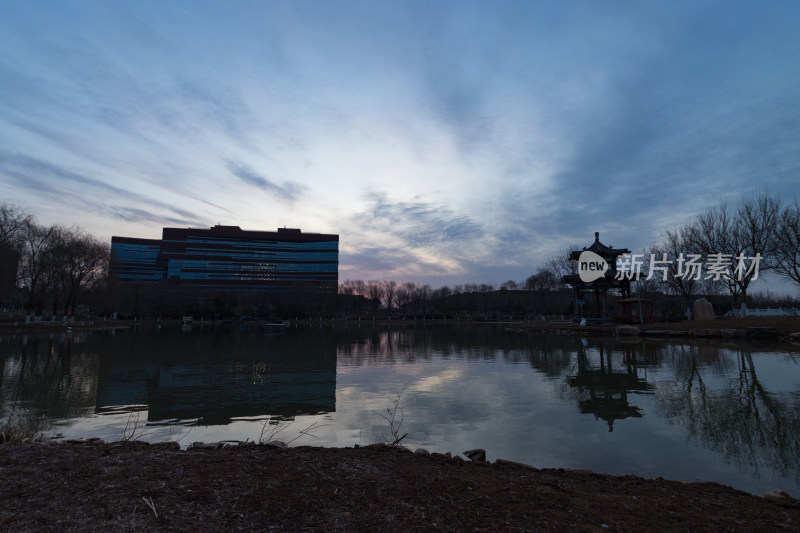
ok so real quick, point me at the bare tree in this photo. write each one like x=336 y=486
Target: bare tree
x=389 y=295
x=347 y=287
x=374 y=292
x=735 y=241
x=356 y=290
x=441 y=296
x=37 y=264
x=787 y=243
x=423 y=294
x=82 y=263
x=359 y=287
x=668 y=266
x=510 y=285
x=13 y=224
x=560 y=264
x=544 y=280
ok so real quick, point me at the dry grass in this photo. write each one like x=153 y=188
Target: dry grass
x=15 y=430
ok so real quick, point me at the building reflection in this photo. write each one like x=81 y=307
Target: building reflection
x=220 y=377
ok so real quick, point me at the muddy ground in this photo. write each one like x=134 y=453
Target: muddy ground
x=132 y=486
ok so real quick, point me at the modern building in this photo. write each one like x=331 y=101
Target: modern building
x=229 y=259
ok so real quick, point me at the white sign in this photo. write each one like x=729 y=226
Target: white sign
x=591 y=266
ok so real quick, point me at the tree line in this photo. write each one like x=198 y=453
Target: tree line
x=758 y=235
x=49 y=268
x=57 y=268
x=539 y=294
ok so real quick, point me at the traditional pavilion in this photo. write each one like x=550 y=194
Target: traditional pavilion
x=600 y=287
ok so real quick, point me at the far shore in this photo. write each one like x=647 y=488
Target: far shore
x=761 y=328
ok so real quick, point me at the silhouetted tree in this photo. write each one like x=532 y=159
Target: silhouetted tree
x=733 y=239
x=389 y=294
x=13 y=226
x=374 y=292
x=37 y=264
x=560 y=264
x=543 y=280
x=787 y=243
x=81 y=263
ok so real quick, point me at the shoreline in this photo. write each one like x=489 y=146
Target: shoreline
x=760 y=328
x=750 y=329
x=131 y=486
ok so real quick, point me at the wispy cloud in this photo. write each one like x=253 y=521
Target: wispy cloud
x=43 y=178
x=488 y=136
x=419 y=224
x=409 y=239
x=287 y=190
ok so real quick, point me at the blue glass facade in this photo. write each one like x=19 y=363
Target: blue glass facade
x=136 y=260
x=228 y=258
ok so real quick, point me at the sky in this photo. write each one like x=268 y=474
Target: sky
x=445 y=142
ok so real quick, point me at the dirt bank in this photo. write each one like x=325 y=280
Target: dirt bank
x=133 y=486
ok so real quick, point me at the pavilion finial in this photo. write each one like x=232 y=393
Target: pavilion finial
x=596 y=236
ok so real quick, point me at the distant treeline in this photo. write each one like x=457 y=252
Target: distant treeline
x=730 y=246
x=60 y=270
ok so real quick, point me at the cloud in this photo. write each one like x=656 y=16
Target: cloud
x=488 y=136
x=408 y=240
x=132 y=214
x=683 y=122
x=374 y=259
x=419 y=224
x=288 y=190
x=45 y=179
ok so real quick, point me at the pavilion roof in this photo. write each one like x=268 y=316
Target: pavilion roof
x=600 y=249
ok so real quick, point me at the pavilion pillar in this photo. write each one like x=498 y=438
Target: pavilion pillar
x=575 y=314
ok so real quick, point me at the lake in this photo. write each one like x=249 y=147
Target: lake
x=724 y=411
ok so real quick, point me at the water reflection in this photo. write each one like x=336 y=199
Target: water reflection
x=44 y=378
x=601 y=389
x=722 y=411
x=208 y=378
x=218 y=376
x=727 y=407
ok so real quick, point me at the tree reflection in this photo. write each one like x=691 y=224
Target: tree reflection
x=550 y=355
x=43 y=380
x=738 y=418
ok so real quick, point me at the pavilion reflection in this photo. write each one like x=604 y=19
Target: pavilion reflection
x=604 y=391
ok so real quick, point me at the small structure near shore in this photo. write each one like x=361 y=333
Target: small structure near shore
x=635 y=311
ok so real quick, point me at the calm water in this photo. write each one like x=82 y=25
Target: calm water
x=722 y=412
